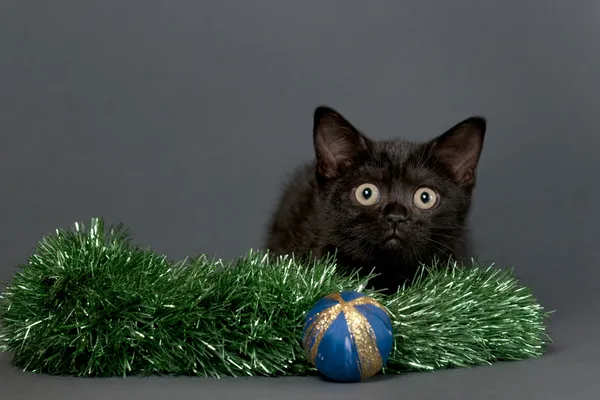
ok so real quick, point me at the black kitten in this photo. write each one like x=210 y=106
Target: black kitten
x=382 y=205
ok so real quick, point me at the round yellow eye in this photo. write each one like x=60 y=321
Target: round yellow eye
x=425 y=198
x=367 y=194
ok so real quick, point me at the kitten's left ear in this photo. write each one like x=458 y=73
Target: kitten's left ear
x=459 y=148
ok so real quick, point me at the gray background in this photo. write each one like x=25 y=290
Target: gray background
x=181 y=118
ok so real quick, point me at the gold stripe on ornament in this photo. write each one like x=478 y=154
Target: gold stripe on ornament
x=363 y=335
x=368 y=300
x=318 y=327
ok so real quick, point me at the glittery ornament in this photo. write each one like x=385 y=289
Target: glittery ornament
x=348 y=336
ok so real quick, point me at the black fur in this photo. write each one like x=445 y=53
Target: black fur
x=319 y=212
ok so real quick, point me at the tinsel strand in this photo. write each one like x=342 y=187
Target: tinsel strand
x=90 y=303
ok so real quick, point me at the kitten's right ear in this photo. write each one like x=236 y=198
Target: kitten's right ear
x=337 y=142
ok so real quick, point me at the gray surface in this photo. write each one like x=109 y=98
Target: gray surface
x=181 y=118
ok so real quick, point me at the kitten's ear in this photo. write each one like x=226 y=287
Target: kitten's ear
x=337 y=143
x=459 y=148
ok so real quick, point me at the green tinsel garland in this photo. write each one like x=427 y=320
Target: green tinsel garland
x=89 y=303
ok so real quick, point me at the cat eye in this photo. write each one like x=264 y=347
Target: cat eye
x=425 y=198
x=367 y=194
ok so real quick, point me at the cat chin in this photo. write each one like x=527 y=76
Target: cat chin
x=394 y=243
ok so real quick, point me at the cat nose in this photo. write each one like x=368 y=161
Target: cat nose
x=395 y=218
x=396 y=214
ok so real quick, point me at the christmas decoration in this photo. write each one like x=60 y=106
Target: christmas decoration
x=348 y=336
x=88 y=302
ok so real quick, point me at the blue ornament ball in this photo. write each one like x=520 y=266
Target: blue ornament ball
x=348 y=336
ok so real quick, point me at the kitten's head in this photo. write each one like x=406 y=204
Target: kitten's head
x=394 y=198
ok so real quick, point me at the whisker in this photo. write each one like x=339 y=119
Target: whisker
x=444 y=246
